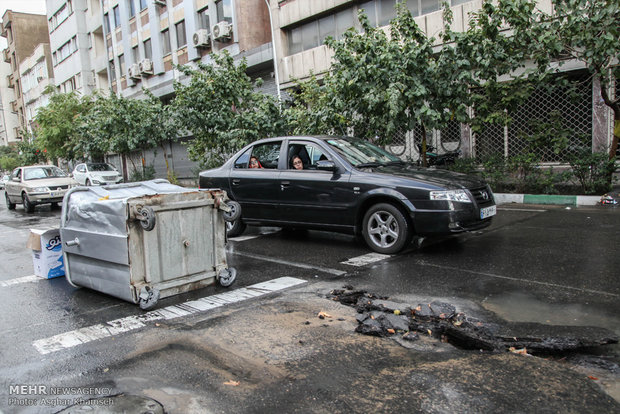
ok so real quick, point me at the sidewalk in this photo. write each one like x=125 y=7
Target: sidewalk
x=565 y=200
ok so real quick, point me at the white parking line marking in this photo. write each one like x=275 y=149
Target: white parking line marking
x=19 y=280
x=536 y=210
x=130 y=323
x=294 y=264
x=366 y=259
x=516 y=279
x=252 y=236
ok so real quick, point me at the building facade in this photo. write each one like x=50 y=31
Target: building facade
x=24 y=32
x=145 y=39
x=77 y=45
x=36 y=75
x=9 y=127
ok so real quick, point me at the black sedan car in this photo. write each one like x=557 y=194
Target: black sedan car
x=350 y=186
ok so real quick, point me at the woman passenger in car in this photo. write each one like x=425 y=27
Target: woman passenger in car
x=254 y=162
x=297 y=163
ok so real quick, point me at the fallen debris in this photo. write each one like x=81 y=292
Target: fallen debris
x=379 y=316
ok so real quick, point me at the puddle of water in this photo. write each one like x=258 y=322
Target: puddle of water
x=520 y=307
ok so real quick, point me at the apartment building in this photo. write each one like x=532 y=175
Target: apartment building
x=24 y=32
x=77 y=44
x=146 y=38
x=9 y=126
x=301 y=26
x=36 y=75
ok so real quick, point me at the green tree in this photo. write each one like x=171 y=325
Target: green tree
x=60 y=124
x=221 y=108
x=383 y=83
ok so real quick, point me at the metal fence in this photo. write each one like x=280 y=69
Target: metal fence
x=561 y=115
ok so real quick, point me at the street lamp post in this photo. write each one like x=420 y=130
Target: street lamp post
x=273 y=48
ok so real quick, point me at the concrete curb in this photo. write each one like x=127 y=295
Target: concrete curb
x=563 y=200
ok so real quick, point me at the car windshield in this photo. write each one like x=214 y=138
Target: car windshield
x=362 y=153
x=36 y=173
x=100 y=167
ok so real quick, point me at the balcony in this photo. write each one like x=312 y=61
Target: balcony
x=13 y=106
x=10 y=82
x=6 y=55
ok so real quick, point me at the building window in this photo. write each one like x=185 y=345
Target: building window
x=121 y=64
x=165 y=38
x=148 y=49
x=13 y=62
x=112 y=71
x=181 y=36
x=132 y=9
x=106 y=22
x=90 y=40
x=429 y=6
x=135 y=55
x=117 y=17
x=224 y=10
x=54 y=59
x=142 y=4
x=203 y=16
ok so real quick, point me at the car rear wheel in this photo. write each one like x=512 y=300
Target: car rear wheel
x=28 y=206
x=386 y=229
x=9 y=205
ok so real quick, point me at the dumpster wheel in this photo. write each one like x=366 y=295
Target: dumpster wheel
x=148 y=297
x=147 y=219
x=227 y=277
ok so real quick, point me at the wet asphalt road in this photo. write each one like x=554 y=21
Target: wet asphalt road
x=535 y=264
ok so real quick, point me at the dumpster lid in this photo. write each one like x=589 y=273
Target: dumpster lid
x=104 y=209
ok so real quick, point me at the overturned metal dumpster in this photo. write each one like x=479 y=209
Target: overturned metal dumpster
x=144 y=241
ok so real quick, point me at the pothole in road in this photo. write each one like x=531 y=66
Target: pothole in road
x=381 y=317
x=580 y=346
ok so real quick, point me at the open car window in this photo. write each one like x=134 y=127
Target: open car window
x=267 y=154
x=309 y=153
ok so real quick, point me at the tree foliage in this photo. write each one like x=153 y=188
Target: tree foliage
x=586 y=31
x=59 y=124
x=221 y=108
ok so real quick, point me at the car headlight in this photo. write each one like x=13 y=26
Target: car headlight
x=40 y=190
x=451 y=195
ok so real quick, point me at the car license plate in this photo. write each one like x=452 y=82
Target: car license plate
x=52 y=194
x=488 y=212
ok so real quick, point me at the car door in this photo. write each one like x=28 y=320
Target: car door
x=257 y=189
x=13 y=185
x=313 y=196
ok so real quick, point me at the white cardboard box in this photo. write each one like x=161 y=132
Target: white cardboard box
x=46 y=253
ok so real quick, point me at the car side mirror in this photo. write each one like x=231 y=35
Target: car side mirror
x=326 y=165
x=16 y=179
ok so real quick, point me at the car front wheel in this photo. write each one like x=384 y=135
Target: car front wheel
x=28 y=206
x=9 y=204
x=386 y=229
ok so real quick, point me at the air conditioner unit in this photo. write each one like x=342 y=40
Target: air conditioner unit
x=134 y=71
x=222 y=31
x=201 y=38
x=146 y=66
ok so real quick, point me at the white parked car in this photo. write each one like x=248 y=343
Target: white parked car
x=96 y=173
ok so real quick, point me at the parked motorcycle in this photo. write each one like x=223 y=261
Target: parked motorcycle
x=435 y=159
